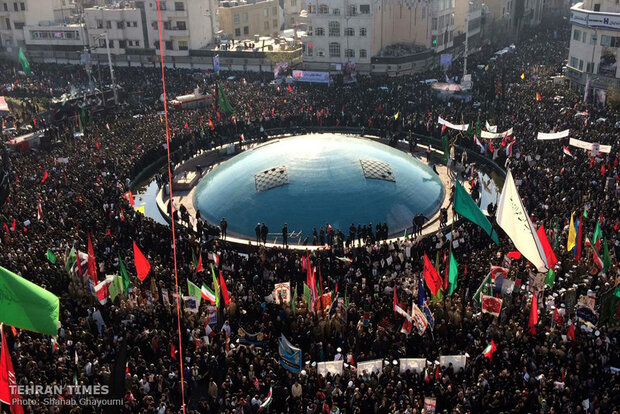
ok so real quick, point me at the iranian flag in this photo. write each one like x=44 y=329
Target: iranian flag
x=207 y=294
x=566 y=151
x=8 y=390
x=488 y=351
x=267 y=401
x=491 y=304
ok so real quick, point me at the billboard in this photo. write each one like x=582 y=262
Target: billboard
x=309 y=76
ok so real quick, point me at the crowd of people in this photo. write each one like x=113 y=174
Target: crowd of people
x=135 y=338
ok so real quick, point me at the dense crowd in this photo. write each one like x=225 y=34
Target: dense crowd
x=545 y=372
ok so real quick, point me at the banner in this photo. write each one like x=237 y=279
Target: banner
x=489 y=193
x=191 y=304
x=282 y=292
x=577 y=143
x=216 y=63
x=290 y=356
x=412 y=364
x=309 y=76
x=457 y=361
x=490 y=128
x=490 y=135
x=253 y=339
x=419 y=319
x=491 y=305
x=329 y=367
x=552 y=135
x=376 y=365
x=430 y=405
x=442 y=121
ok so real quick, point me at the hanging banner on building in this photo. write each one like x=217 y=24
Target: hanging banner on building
x=552 y=135
x=310 y=76
x=608 y=63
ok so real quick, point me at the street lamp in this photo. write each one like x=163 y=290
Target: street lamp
x=107 y=45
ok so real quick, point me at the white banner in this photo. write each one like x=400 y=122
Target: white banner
x=489 y=135
x=490 y=128
x=552 y=135
x=489 y=193
x=589 y=145
x=457 y=361
x=442 y=121
x=376 y=365
x=412 y=364
x=310 y=76
x=512 y=217
x=333 y=367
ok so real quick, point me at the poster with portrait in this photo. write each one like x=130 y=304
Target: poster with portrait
x=608 y=63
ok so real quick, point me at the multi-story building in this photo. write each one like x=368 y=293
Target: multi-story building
x=442 y=25
x=122 y=25
x=468 y=14
x=594 y=45
x=16 y=15
x=245 y=19
x=361 y=31
x=292 y=9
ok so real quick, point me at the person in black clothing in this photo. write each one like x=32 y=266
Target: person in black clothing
x=264 y=231
x=443 y=217
x=285 y=234
x=257 y=230
x=352 y=233
x=223 y=227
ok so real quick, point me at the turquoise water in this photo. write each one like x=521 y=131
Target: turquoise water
x=326 y=185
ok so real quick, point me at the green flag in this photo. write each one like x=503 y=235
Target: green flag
x=484 y=288
x=70 y=260
x=307 y=295
x=478 y=129
x=193 y=290
x=50 y=256
x=216 y=287
x=606 y=257
x=453 y=273
x=124 y=274
x=550 y=279
x=26 y=305
x=446 y=149
x=115 y=287
x=222 y=101
x=466 y=207
x=24 y=62
x=597 y=233
x=194 y=259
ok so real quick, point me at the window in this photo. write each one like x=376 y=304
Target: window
x=122 y=44
x=336 y=12
x=319 y=31
x=111 y=42
x=576 y=34
x=311 y=9
x=334 y=29
x=120 y=25
x=580 y=64
x=246 y=30
x=334 y=49
x=162 y=5
x=593 y=39
x=323 y=9
x=364 y=9
x=351 y=10
x=362 y=32
x=6 y=7
x=181 y=25
x=574 y=62
x=274 y=11
x=108 y=24
x=19 y=25
x=362 y=53
x=350 y=53
x=167 y=26
x=237 y=32
x=8 y=23
x=266 y=12
x=275 y=23
x=597 y=7
x=349 y=31
x=293 y=3
x=610 y=41
x=590 y=67
x=245 y=17
x=320 y=53
x=169 y=45
x=179 y=6
x=154 y=25
x=237 y=20
x=22 y=6
x=15 y=7
x=266 y=25
x=434 y=24
x=183 y=45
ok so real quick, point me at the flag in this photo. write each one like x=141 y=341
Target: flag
x=606 y=257
x=538 y=96
x=290 y=356
x=129 y=197
x=509 y=148
x=216 y=287
x=50 y=256
x=453 y=273
x=307 y=296
x=124 y=274
x=92 y=264
x=45 y=177
x=173 y=351
x=26 y=305
x=199 y=267
x=512 y=217
x=115 y=287
x=596 y=237
x=102 y=291
x=579 y=235
x=24 y=62
x=8 y=382
x=549 y=253
x=419 y=319
x=533 y=319
x=224 y=290
x=222 y=101
x=477 y=141
x=572 y=233
x=571 y=331
x=396 y=115
x=466 y=207
x=39 y=211
x=143 y=267
x=207 y=294
x=195 y=291
x=566 y=151
x=397 y=308
x=488 y=351
x=267 y=401
x=484 y=288
x=70 y=260
x=491 y=304
x=550 y=279
x=556 y=317
x=523 y=76
x=431 y=277
x=290 y=89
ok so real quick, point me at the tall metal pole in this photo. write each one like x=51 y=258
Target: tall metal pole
x=466 y=40
x=107 y=46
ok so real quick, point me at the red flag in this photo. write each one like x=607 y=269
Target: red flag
x=211 y=126
x=219 y=116
x=514 y=255
x=143 y=267
x=603 y=169
x=290 y=89
x=8 y=390
x=173 y=351
x=14 y=224
x=556 y=317
x=443 y=129
x=571 y=331
x=6 y=228
x=92 y=264
x=542 y=236
x=431 y=277
x=533 y=319
x=579 y=235
x=199 y=267
x=97 y=145
x=224 y=290
x=45 y=176
x=129 y=197
x=186 y=126
x=538 y=96
x=380 y=107
x=488 y=352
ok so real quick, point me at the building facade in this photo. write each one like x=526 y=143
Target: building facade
x=594 y=45
x=246 y=19
x=292 y=10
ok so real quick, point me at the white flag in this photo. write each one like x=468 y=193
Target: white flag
x=512 y=217
x=489 y=193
